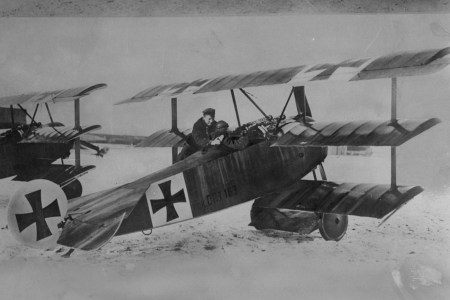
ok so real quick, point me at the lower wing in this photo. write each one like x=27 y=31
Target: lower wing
x=358 y=199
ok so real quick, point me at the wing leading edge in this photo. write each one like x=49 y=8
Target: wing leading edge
x=399 y=64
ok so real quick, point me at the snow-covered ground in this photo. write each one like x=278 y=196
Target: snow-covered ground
x=221 y=257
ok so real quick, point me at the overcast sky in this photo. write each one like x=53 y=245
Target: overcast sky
x=131 y=54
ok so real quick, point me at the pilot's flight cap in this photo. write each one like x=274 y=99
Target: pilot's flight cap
x=209 y=111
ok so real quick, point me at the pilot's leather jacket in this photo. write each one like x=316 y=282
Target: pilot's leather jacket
x=233 y=143
x=202 y=133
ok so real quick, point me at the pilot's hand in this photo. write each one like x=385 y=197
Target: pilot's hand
x=263 y=129
x=217 y=141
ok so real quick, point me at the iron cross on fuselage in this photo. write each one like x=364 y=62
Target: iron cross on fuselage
x=38 y=215
x=168 y=201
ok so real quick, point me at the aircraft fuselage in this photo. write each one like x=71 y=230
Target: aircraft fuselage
x=221 y=183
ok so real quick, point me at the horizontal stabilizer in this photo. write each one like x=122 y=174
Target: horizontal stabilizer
x=58 y=134
x=97 y=217
x=408 y=63
x=359 y=199
x=164 y=138
x=356 y=133
x=87 y=236
x=106 y=208
x=51 y=96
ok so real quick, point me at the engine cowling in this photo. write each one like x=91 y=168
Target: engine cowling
x=36 y=212
x=333 y=227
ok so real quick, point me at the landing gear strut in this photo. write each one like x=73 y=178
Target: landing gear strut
x=73 y=189
x=332 y=227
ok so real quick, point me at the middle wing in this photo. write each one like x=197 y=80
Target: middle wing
x=58 y=134
x=356 y=133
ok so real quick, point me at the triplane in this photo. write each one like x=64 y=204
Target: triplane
x=28 y=150
x=269 y=170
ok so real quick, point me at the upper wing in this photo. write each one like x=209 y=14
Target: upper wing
x=393 y=65
x=356 y=133
x=51 y=96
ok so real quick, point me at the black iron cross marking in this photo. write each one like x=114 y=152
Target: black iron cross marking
x=168 y=201
x=38 y=215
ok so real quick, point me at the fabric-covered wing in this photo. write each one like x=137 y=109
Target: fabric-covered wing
x=356 y=133
x=394 y=65
x=52 y=96
x=365 y=200
x=58 y=134
x=164 y=138
x=98 y=216
x=97 y=234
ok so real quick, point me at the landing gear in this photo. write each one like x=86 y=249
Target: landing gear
x=73 y=189
x=333 y=227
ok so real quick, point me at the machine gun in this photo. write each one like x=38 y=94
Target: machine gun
x=253 y=129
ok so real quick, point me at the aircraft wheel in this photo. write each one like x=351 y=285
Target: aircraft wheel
x=333 y=227
x=73 y=189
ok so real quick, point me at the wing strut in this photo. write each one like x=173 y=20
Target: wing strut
x=12 y=116
x=235 y=108
x=322 y=172
x=174 y=128
x=284 y=108
x=25 y=111
x=77 y=127
x=33 y=120
x=394 y=120
x=301 y=102
x=49 y=113
x=253 y=102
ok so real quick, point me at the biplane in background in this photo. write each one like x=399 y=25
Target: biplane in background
x=28 y=151
x=269 y=170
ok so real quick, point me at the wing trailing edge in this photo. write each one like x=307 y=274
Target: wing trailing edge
x=356 y=133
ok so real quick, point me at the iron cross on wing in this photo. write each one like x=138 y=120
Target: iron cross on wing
x=168 y=201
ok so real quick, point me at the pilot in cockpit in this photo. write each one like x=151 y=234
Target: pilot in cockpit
x=223 y=141
x=204 y=128
x=201 y=135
